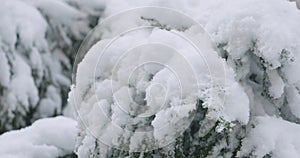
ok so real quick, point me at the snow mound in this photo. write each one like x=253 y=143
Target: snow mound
x=47 y=138
x=273 y=136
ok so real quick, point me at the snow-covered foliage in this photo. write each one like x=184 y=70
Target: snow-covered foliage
x=149 y=80
x=259 y=42
x=37 y=42
x=220 y=80
x=47 y=138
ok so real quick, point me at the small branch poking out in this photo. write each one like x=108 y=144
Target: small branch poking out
x=156 y=23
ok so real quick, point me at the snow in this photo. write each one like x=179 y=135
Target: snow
x=273 y=136
x=37 y=39
x=49 y=138
x=293 y=98
x=50 y=104
x=92 y=6
x=297 y=3
x=74 y=19
x=277 y=84
x=23 y=86
x=4 y=69
x=141 y=92
x=112 y=86
x=236 y=104
x=23 y=22
x=170 y=123
x=258 y=39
